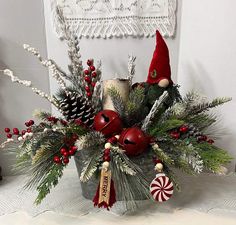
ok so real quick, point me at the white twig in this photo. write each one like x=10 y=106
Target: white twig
x=147 y=121
x=27 y=83
x=57 y=73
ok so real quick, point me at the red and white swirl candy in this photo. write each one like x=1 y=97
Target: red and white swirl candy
x=161 y=188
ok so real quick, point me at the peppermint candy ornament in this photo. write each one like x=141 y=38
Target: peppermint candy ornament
x=161 y=188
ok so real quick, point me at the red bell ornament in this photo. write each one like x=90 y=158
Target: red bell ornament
x=108 y=122
x=134 y=141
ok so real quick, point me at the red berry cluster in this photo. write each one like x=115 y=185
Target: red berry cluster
x=17 y=132
x=204 y=138
x=65 y=154
x=90 y=77
x=54 y=120
x=177 y=133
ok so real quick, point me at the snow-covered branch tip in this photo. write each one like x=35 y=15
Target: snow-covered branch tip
x=147 y=121
x=28 y=84
x=131 y=67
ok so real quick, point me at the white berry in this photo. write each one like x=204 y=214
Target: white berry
x=105 y=165
x=30 y=134
x=159 y=167
x=117 y=137
x=107 y=145
x=45 y=130
x=20 y=138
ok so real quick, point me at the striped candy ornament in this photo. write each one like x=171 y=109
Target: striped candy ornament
x=161 y=188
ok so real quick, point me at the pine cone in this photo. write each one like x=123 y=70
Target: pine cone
x=75 y=106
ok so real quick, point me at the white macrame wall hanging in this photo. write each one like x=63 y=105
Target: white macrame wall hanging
x=108 y=18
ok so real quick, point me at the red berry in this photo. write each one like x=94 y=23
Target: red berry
x=27 y=124
x=89 y=94
x=86 y=72
x=107 y=152
x=74 y=148
x=94 y=74
x=183 y=129
x=29 y=130
x=210 y=141
x=78 y=122
x=87 y=79
x=107 y=158
x=62 y=151
x=57 y=159
x=66 y=160
x=23 y=132
x=93 y=84
x=66 y=154
x=7 y=130
x=87 y=88
x=158 y=161
x=9 y=135
x=71 y=152
x=31 y=122
x=204 y=137
x=175 y=135
x=74 y=137
x=89 y=62
x=92 y=68
x=63 y=122
x=16 y=131
x=112 y=140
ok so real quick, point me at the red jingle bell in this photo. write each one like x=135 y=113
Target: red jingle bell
x=108 y=122
x=134 y=141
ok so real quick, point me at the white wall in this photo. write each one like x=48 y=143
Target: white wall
x=21 y=21
x=207 y=57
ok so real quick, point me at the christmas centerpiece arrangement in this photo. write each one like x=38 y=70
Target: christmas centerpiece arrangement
x=127 y=138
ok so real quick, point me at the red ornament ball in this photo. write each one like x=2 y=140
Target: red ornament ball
x=183 y=129
x=92 y=68
x=66 y=154
x=57 y=159
x=74 y=148
x=108 y=122
x=134 y=141
x=16 y=131
x=7 y=130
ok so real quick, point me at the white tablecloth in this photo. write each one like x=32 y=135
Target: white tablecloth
x=205 y=194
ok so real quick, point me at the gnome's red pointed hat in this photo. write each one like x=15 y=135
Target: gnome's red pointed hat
x=160 y=65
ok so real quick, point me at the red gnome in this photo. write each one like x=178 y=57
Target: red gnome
x=159 y=70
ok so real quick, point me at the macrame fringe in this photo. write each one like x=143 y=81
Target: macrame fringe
x=136 y=26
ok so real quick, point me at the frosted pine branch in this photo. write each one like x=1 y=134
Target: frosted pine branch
x=194 y=159
x=90 y=139
x=26 y=83
x=156 y=106
x=131 y=68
